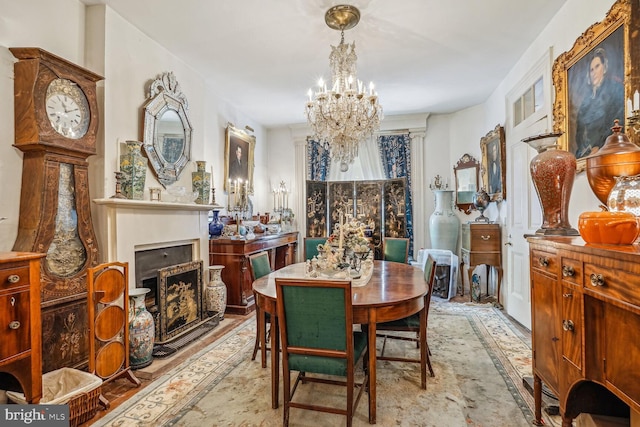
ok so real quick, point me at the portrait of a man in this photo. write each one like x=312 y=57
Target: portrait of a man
x=493 y=146
x=596 y=95
x=495 y=169
x=239 y=157
x=238 y=164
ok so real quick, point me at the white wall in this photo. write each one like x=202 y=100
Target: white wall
x=21 y=27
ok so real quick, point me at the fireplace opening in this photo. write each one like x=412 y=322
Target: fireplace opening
x=149 y=261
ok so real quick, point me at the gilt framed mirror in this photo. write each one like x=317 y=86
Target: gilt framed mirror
x=466 y=172
x=167 y=129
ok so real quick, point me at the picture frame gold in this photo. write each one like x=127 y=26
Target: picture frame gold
x=238 y=139
x=575 y=95
x=493 y=148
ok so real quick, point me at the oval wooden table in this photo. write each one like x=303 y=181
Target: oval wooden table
x=394 y=291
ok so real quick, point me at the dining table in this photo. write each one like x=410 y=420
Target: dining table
x=394 y=291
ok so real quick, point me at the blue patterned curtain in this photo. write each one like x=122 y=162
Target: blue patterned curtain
x=395 y=153
x=318 y=160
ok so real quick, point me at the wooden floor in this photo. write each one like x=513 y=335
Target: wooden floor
x=120 y=390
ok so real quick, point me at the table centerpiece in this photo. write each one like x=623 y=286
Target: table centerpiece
x=345 y=255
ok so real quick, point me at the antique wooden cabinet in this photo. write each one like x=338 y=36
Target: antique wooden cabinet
x=233 y=254
x=481 y=244
x=585 y=325
x=20 y=325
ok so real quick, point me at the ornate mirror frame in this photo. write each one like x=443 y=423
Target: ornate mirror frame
x=466 y=171
x=165 y=96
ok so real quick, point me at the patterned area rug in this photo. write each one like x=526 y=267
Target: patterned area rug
x=479 y=359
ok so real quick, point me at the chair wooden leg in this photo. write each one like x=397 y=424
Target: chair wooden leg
x=260 y=325
x=424 y=356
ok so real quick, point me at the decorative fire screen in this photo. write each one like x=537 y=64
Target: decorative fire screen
x=180 y=302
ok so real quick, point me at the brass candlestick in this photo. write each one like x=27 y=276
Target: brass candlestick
x=120 y=177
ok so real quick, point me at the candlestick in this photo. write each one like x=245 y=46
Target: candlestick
x=636 y=101
x=118 y=156
x=341 y=232
x=274 y=199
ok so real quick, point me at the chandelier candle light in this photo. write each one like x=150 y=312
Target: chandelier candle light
x=348 y=113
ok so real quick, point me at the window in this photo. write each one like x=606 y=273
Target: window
x=529 y=102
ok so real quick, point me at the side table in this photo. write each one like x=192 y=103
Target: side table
x=481 y=245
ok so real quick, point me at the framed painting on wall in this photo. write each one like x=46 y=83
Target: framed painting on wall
x=493 y=147
x=239 y=150
x=591 y=82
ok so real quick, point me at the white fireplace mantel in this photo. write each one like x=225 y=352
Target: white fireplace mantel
x=133 y=225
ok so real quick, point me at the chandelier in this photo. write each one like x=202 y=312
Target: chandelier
x=349 y=112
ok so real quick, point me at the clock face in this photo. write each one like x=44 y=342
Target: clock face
x=67 y=108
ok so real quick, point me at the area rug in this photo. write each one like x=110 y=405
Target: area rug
x=479 y=359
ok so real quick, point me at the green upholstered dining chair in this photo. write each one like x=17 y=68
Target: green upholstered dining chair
x=317 y=336
x=396 y=249
x=412 y=324
x=260 y=266
x=311 y=246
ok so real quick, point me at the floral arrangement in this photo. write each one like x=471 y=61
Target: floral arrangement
x=346 y=254
x=349 y=235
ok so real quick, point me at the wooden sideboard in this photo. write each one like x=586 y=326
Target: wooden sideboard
x=233 y=254
x=20 y=323
x=585 y=325
x=481 y=244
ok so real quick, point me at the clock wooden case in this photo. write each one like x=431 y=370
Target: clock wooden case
x=56 y=122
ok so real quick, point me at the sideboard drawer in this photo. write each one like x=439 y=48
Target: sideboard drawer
x=545 y=261
x=571 y=270
x=612 y=283
x=485 y=237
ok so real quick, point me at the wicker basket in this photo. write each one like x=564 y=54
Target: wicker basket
x=83 y=407
x=80 y=390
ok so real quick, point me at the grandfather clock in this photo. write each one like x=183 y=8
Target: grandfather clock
x=56 y=120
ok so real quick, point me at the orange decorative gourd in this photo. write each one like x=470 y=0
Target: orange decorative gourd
x=612 y=228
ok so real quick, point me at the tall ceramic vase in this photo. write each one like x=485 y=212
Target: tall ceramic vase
x=201 y=182
x=141 y=330
x=444 y=225
x=216 y=226
x=552 y=171
x=134 y=167
x=216 y=292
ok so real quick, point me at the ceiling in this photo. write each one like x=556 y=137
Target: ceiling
x=424 y=56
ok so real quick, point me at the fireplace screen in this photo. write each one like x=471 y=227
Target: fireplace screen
x=180 y=304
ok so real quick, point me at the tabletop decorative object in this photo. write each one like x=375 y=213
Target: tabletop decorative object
x=345 y=255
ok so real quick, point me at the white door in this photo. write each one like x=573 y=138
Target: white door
x=524 y=215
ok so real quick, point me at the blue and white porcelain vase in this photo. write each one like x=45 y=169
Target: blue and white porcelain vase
x=141 y=330
x=444 y=225
x=216 y=226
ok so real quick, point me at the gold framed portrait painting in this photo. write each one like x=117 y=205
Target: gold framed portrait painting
x=591 y=84
x=493 y=147
x=238 y=157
